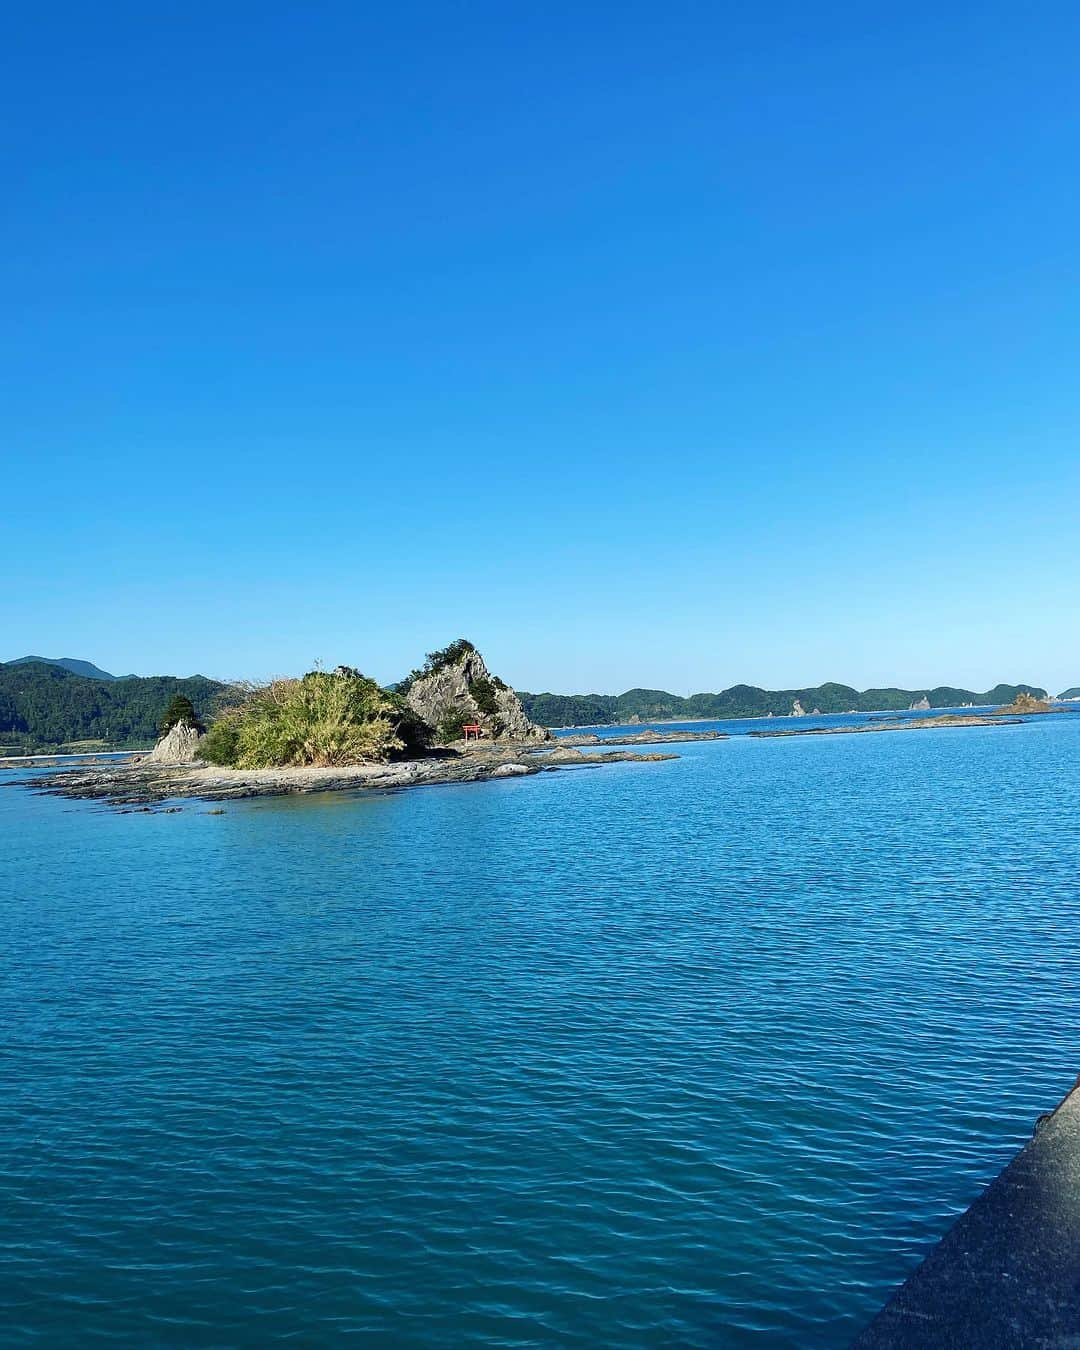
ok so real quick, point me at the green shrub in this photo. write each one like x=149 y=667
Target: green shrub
x=453 y=725
x=483 y=691
x=413 y=731
x=221 y=744
x=324 y=719
x=438 y=660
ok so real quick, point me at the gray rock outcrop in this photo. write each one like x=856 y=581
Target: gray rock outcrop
x=179 y=745
x=920 y=704
x=466 y=689
x=514 y=770
x=797 y=709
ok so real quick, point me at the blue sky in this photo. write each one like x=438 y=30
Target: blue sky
x=668 y=345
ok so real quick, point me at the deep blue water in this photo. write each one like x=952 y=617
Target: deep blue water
x=699 y=1053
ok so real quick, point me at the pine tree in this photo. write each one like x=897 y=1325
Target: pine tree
x=180 y=709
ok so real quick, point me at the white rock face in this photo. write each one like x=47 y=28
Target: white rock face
x=797 y=709
x=453 y=689
x=920 y=705
x=179 y=745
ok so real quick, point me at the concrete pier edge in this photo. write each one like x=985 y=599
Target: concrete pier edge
x=1006 y=1276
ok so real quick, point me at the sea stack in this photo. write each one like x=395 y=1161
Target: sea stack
x=456 y=689
x=179 y=745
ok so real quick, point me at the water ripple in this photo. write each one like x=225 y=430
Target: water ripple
x=702 y=1053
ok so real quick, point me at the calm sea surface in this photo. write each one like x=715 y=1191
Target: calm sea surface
x=700 y=1053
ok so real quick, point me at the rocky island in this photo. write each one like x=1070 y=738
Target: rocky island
x=1025 y=705
x=450 y=721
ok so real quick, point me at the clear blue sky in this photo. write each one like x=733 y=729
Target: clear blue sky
x=673 y=345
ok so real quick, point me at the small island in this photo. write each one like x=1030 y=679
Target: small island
x=1026 y=705
x=450 y=721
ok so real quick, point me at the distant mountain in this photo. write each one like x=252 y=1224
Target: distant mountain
x=43 y=704
x=84 y=668
x=1074 y=692
x=745 y=700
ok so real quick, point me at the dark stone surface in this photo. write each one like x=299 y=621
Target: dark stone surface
x=1007 y=1274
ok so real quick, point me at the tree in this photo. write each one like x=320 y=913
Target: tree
x=180 y=711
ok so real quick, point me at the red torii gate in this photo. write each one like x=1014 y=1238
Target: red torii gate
x=474 y=729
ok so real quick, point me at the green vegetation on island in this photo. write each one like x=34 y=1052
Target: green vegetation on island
x=326 y=719
x=435 y=661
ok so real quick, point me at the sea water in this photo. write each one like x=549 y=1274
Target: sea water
x=706 y=1052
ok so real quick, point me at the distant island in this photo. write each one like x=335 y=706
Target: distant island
x=746 y=700
x=48 y=703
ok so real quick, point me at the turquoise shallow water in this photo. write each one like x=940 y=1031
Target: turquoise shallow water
x=701 y=1053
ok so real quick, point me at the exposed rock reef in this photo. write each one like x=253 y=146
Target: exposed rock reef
x=462 y=690
x=146 y=785
x=644 y=738
x=179 y=745
x=899 y=724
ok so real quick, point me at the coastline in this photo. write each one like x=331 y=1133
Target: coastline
x=137 y=783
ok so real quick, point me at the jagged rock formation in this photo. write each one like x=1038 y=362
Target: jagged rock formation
x=463 y=690
x=797 y=709
x=920 y=704
x=179 y=745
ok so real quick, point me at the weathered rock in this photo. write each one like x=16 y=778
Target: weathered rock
x=920 y=704
x=797 y=709
x=453 y=691
x=179 y=745
x=143 y=784
x=564 y=754
x=1025 y=703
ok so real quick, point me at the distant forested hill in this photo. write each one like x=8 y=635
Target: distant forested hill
x=86 y=668
x=1074 y=692
x=45 y=705
x=745 y=700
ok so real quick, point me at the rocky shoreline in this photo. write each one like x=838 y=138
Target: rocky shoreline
x=144 y=783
